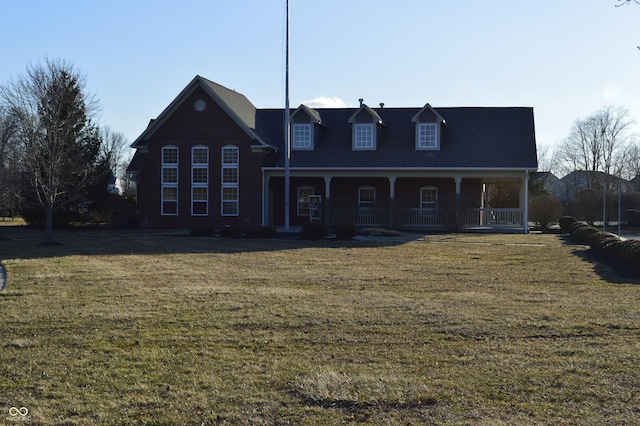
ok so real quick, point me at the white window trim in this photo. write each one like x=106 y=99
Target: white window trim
x=205 y=202
x=235 y=185
x=419 y=144
x=423 y=202
x=170 y=147
x=163 y=184
x=194 y=185
x=299 y=203
x=295 y=142
x=366 y=210
x=162 y=201
x=368 y=147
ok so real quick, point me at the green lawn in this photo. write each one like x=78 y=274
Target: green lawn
x=120 y=328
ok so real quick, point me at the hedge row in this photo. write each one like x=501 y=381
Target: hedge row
x=605 y=244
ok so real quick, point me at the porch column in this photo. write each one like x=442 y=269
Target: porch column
x=392 y=189
x=327 y=187
x=525 y=202
x=393 y=220
x=327 y=197
x=266 y=198
x=458 y=180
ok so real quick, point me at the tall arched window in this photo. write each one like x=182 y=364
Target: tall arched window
x=230 y=181
x=169 y=181
x=199 y=180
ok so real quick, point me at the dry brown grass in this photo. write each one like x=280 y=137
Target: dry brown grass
x=153 y=328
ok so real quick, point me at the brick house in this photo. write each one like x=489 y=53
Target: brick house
x=212 y=158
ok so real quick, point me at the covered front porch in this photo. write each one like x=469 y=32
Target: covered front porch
x=416 y=200
x=487 y=219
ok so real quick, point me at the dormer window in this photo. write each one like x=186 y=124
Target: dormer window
x=428 y=125
x=365 y=122
x=363 y=136
x=301 y=136
x=305 y=122
x=427 y=137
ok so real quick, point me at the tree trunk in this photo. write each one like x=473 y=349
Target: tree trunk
x=48 y=230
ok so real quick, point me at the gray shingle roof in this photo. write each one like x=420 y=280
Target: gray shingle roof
x=490 y=137
x=473 y=138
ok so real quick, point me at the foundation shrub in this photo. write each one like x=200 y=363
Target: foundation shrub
x=604 y=243
x=266 y=232
x=545 y=210
x=230 y=232
x=577 y=225
x=346 y=231
x=627 y=249
x=202 y=231
x=312 y=231
x=566 y=222
x=611 y=249
x=582 y=233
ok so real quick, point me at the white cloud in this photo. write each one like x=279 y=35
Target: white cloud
x=326 y=102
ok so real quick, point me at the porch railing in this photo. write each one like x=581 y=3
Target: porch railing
x=366 y=216
x=406 y=218
x=492 y=217
x=430 y=217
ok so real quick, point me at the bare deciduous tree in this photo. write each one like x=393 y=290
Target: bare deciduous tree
x=547 y=159
x=9 y=161
x=625 y=2
x=598 y=143
x=113 y=149
x=60 y=144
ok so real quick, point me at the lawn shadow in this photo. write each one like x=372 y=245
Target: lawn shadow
x=27 y=243
x=609 y=269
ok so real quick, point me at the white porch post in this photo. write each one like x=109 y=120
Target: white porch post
x=458 y=180
x=393 y=218
x=266 y=195
x=327 y=187
x=327 y=199
x=392 y=189
x=525 y=200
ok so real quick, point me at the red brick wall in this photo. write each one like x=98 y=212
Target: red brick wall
x=186 y=128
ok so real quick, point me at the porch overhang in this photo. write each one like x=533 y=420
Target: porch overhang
x=489 y=174
x=456 y=216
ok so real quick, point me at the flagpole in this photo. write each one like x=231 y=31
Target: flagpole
x=287 y=126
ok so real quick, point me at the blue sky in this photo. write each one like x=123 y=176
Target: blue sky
x=565 y=58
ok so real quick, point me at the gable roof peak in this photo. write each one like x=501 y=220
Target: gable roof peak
x=372 y=113
x=239 y=108
x=427 y=107
x=312 y=113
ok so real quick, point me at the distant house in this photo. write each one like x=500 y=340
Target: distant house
x=213 y=158
x=566 y=188
x=547 y=180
